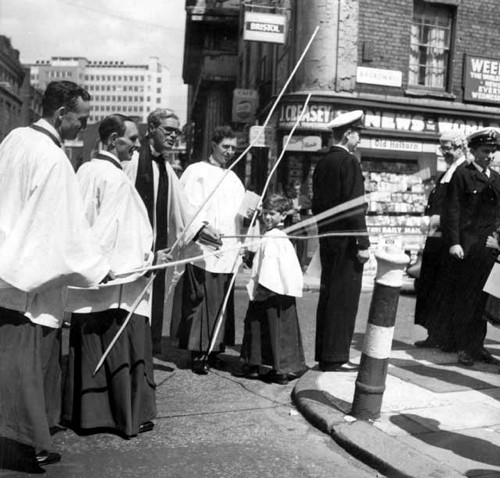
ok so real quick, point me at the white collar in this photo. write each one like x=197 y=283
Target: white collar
x=43 y=123
x=343 y=147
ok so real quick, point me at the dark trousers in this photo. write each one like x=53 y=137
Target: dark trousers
x=341 y=275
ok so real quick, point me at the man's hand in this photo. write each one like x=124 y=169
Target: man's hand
x=457 y=252
x=209 y=236
x=363 y=255
x=492 y=242
x=162 y=256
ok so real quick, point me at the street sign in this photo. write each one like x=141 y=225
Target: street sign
x=245 y=104
x=264 y=27
x=266 y=138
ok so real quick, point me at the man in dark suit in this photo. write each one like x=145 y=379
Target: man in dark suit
x=470 y=215
x=158 y=186
x=336 y=180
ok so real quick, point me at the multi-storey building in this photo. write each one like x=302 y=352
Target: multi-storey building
x=415 y=67
x=19 y=103
x=115 y=86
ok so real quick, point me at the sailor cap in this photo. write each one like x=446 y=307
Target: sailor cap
x=489 y=136
x=346 y=119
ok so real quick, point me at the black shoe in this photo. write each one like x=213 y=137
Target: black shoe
x=486 y=357
x=464 y=358
x=200 y=367
x=215 y=362
x=338 y=367
x=428 y=343
x=274 y=377
x=247 y=371
x=47 y=458
x=146 y=427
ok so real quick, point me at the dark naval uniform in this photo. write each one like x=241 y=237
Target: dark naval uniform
x=471 y=214
x=337 y=179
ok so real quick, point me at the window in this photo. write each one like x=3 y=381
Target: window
x=431 y=32
x=158 y=90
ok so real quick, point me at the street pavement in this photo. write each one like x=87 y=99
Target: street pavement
x=438 y=418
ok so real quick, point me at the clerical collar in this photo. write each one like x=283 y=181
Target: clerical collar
x=49 y=130
x=485 y=171
x=107 y=156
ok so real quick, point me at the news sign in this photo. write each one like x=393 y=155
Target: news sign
x=482 y=80
x=264 y=27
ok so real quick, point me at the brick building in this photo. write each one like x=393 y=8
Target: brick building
x=20 y=104
x=416 y=67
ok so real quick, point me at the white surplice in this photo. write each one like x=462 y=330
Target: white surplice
x=45 y=240
x=276 y=266
x=120 y=222
x=198 y=181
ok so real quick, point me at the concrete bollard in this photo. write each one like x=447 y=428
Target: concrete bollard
x=370 y=383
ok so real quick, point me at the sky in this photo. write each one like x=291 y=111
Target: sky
x=121 y=30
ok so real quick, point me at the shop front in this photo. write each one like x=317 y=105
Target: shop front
x=399 y=156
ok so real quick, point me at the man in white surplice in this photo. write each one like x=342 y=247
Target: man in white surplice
x=45 y=245
x=206 y=282
x=121 y=396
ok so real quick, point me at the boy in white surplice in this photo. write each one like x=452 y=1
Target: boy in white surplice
x=272 y=334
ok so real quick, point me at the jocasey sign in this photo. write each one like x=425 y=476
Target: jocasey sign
x=318 y=115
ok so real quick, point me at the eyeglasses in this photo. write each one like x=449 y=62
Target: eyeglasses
x=446 y=149
x=167 y=131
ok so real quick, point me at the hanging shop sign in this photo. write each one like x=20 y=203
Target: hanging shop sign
x=245 y=104
x=378 y=76
x=303 y=143
x=482 y=80
x=264 y=27
x=266 y=138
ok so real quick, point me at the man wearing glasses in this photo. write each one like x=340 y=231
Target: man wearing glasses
x=158 y=186
x=438 y=269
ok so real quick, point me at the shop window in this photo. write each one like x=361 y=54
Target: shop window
x=430 y=48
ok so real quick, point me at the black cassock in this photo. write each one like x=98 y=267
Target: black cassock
x=337 y=179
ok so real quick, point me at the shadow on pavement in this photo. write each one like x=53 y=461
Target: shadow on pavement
x=472 y=448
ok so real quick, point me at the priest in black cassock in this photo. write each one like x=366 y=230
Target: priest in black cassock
x=158 y=185
x=336 y=180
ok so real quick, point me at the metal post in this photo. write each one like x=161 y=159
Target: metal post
x=370 y=383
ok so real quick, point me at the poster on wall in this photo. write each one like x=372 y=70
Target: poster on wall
x=482 y=80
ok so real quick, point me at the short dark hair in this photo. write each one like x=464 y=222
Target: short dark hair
x=114 y=123
x=276 y=202
x=222 y=132
x=62 y=93
x=338 y=133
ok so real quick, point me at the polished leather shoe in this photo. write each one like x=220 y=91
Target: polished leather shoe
x=486 y=357
x=274 y=377
x=464 y=358
x=146 y=427
x=428 y=343
x=47 y=458
x=200 y=367
x=338 y=367
x=247 y=371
